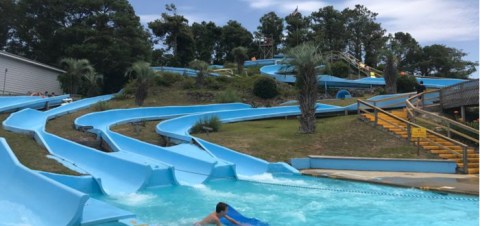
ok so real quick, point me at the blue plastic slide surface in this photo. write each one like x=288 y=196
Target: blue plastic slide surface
x=15 y=103
x=38 y=199
x=234 y=214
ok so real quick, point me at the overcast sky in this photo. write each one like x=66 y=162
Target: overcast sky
x=454 y=23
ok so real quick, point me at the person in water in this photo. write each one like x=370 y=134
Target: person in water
x=214 y=218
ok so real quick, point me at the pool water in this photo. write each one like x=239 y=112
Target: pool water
x=300 y=200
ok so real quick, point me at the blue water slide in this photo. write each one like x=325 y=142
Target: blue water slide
x=35 y=193
x=77 y=105
x=115 y=174
x=182 y=71
x=178 y=128
x=234 y=214
x=190 y=165
x=15 y=103
x=260 y=62
x=284 y=73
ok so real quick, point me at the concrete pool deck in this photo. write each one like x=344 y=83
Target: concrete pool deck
x=451 y=183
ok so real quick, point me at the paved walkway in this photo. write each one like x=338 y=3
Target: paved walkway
x=453 y=183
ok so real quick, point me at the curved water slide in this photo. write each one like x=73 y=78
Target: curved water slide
x=114 y=174
x=190 y=166
x=283 y=73
x=33 y=192
x=15 y=103
x=182 y=71
x=178 y=128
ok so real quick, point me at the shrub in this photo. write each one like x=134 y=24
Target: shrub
x=212 y=122
x=212 y=83
x=188 y=83
x=228 y=96
x=340 y=69
x=121 y=96
x=406 y=84
x=101 y=106
x=265 y=88
x=168 y=79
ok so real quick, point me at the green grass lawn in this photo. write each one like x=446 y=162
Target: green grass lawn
x=279 y=140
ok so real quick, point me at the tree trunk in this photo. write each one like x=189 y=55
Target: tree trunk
x=390 y=75
x=307 y=100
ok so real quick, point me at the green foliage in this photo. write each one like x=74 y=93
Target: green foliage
x=188 y=83
x=174 y=29
x=121 y=96
x=233 y=35
x=143 y=75
x=240 y=55
x=340 y=69
x=442 y=61
x=76 y=69
x=168 y=79
x=271 y=26
x=101 y=106
x=201 y=67
x=107 y=33
x=265 y=87
x=297 y=29
x=212 y=122
x=227 y=96
x=406 y=84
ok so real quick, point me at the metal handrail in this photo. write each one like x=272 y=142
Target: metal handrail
x=410 y=124
x=449 y=122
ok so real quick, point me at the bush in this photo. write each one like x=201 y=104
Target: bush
x=188 y=83
x=228 y=96
x=121 y=96
x=340 y=69
x=168 y=79
x=265 y=88
x=212 y=83
x=101 y=106
x=212 y=122
x=406 y=84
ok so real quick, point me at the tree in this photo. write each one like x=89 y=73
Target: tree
x=173 y=30
x=143 y=75
x=205 y=36
x=328 y=27
x=7 y=14
x=240 y=55
x=297 y=29
x=361 y=26
x=407 y=50
x=390 y=72
x=75 y=70
x=233 y=35
x=106 y=32
x=92 y=84
x=306 y=58
x=201 y=67
x=271 y=26
x=442 y=61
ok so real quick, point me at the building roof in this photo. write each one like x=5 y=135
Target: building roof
x=28 y=61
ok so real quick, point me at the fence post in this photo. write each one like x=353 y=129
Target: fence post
x=358 y=108
x=465 y=160
x=448 y=129
x=409 y=132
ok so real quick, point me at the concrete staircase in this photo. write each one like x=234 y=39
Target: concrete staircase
x=435 y=144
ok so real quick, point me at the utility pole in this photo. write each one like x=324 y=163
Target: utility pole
x=5 y=80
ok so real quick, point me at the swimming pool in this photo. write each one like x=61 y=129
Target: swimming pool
x=301 y=200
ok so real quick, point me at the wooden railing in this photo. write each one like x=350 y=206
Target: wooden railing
x=462 y=94
x=352 y=60
x=448 y=125
x=364 y=107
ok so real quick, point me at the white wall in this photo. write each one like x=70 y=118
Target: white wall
x=23 y=77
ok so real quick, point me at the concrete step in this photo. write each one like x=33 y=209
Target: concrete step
x=454 y=156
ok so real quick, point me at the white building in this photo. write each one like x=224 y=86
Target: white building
x=19 y=75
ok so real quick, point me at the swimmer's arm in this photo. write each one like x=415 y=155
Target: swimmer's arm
x=231 y=220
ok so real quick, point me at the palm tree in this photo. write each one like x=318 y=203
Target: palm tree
x=240 y=54
x=390 y=72
x=75 y=70
x=305 y=58
x=93 y=81
x=143 y=76
x=201 y=67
